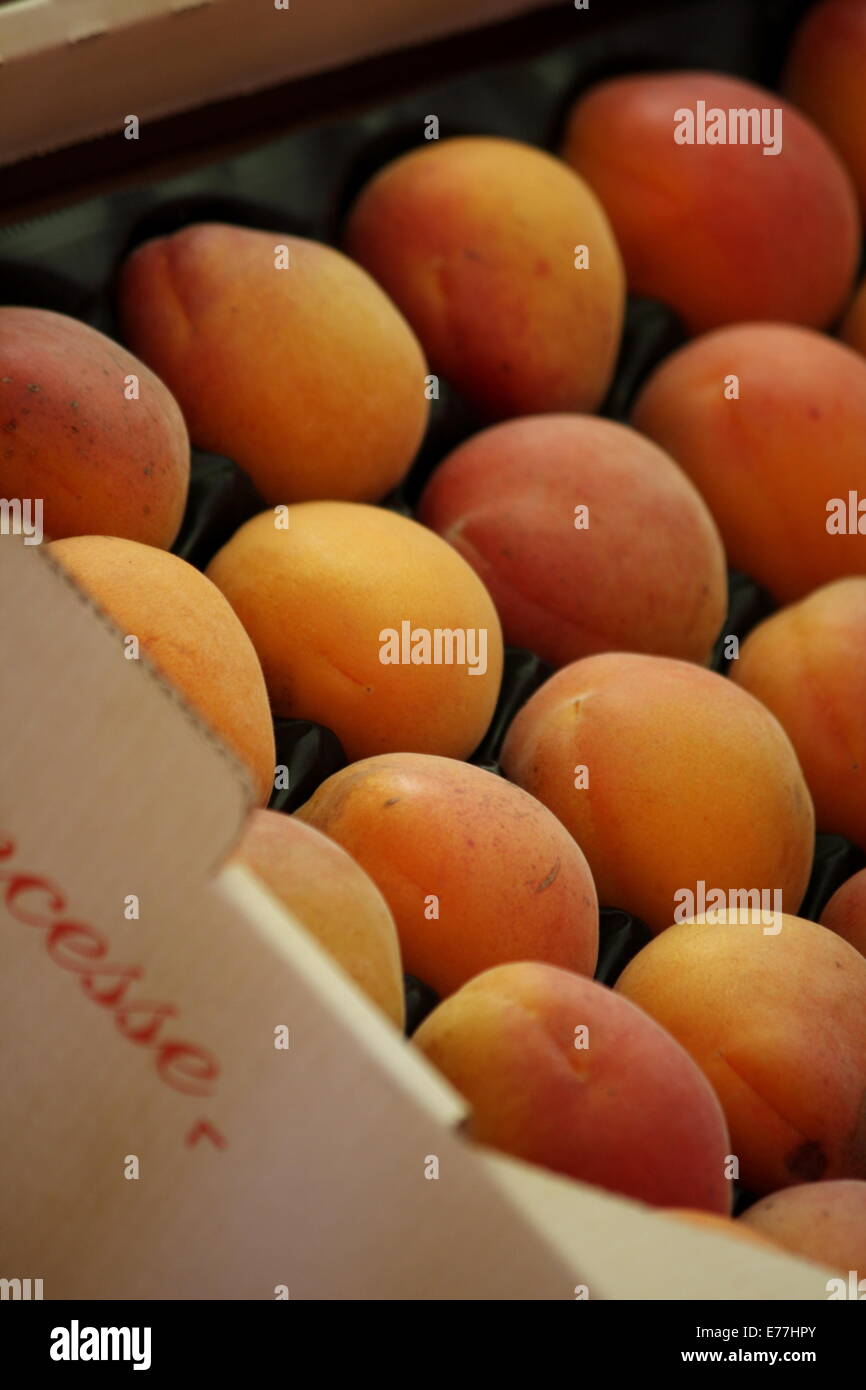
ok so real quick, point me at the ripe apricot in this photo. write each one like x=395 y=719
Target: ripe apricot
x=504 y=263
x=716 y=228
x=333 y=898
x=283 y=354
x=807 y=663
x=562 y=1072
x=367 y=623
x=475 y=871
x=185 y=627
x=668 y=776
x=777 y=1023
x=769 y=422
x=89 y=431
x=587 y=537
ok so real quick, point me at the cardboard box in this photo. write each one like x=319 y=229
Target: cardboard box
x=72 y=69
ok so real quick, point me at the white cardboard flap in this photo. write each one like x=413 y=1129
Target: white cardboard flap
x=152 y=1041
x=636 y=1252
x=73 y=69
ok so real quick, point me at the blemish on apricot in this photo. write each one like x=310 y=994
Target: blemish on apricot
x=549 y=878
x=808 y=1162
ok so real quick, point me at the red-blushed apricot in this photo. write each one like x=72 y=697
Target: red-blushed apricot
x=367 y=623
x=333 y=898
x=719 y=231
x=284 y=355
x=475 y=871
x=668 y=776
x=822 y=1221
x=776 y=1020
x=824 y=76
x=853 y=330
x=504 y=263
x=845 y=913
x=559 y=1073
x=190 y=634
x=723 y=1225
x=807 y=663
x=587 y=536
x=769 y=422
x=88 y=430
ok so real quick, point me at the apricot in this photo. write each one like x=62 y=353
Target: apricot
x=777 y=1023
x=475 y=871
x=824 y=77
x=853 y=330
x=587 y=537
x=333 y=899
x=88 y=430
x=807 y=663
x=187 y=630
x=562 y=1072
x=479 y=241
x=776 y=461
x=845 y=913
x=719 y=231
x=823 y=1221
x=668 y=776
x=367 y=623
x=283 y=355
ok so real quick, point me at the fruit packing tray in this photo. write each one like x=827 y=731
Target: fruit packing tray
x=303 y=184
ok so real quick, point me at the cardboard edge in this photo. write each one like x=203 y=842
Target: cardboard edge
x=67 y=47
x=285 y=935
x=620 y=1240
x=199 y=725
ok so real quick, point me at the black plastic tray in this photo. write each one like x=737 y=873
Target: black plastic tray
x=302 y=184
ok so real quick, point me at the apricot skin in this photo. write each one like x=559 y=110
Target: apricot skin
x=807 y=664
x=721 y=233
x=845 y=913
x=315 y=599
x=189 y=632
x=475 y=871
x=823 y=1221
x=768 y=463
x=687 y=779
x=333 y=899
x=629 y=1111
x=101 y=463
x=307 y=377
x=647 y=573
x=777 y=1023
x=824 y=78
x=475 y=239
